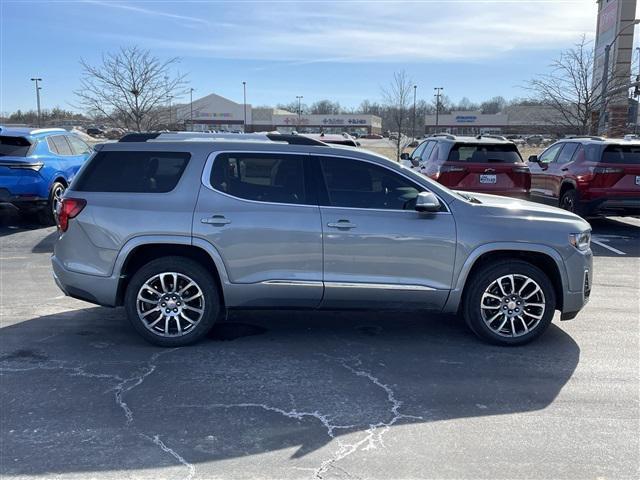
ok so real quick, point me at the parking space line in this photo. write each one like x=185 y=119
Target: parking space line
x=602 y=244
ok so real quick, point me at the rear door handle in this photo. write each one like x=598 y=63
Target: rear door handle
x=565 y=169
x=216 y=220
x=346 y=224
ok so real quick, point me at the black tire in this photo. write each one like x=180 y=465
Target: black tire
x=212 y=305
x=481 y=281
x=47 y=215
x=569 y=201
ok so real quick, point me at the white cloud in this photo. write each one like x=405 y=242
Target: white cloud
x=371 y=31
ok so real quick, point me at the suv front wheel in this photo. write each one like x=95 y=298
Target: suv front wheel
x=509 y=304
x=172 y=301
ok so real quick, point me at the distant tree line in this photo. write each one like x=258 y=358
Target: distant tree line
x=30 y=117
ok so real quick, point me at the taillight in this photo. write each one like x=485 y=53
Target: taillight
x=68 y=209
x=606 y=176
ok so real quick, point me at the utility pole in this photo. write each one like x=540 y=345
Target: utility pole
x=169 y=97
x=437 y=95
x=191 y=107
x=299 y=97
x=413 y=127
x=38 y=87
x=244 y=105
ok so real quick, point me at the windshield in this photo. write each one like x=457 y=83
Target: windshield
x=14 y=146
x=485 y=153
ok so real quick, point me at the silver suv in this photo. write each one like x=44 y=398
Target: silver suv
x=181 y=227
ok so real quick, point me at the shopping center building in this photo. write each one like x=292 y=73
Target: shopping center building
x=214 y=112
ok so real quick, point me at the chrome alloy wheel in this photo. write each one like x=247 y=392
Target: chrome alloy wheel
x=56 y=198
x=512 y=305
x=170 y=304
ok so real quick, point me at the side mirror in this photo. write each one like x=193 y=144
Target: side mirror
x=533 y=159
x=404 y=156
x=427 y=202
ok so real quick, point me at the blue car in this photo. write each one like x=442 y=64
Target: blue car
x=36 y=167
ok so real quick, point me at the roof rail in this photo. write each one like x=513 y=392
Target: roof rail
x=291 y=139
x=590 y=137
x=491 y=135
x=46 y=130
x=444 y=134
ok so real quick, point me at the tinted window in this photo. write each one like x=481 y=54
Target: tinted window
x=549 y=155
x=135 y=172
x=265 y=177
x=627 y=154
x=418 y=151
x=351 y=183
x=60 y=145
x=14 y=146
x=428 y=150
x=484 y=153
x=78 y=146
x=567 y=152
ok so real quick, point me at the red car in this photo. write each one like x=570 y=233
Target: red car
x=485 y=164
x=589 y=176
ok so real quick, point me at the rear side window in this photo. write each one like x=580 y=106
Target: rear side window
x=58 y=144
x=14 y=146
x=78 y=146
x=263 y=177
x=133 y=172
x=625 y=154
x=484 y=153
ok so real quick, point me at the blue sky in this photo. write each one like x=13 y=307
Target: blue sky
x=342 y=50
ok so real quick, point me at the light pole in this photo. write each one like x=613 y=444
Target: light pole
x=169 y=97
x=38 y=98
x=437 y=95
x=191 y=107
x=605 y=75
x=244 y=106
x=299 y=97
x=413 y=127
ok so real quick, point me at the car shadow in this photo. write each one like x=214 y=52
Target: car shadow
x=319 y=384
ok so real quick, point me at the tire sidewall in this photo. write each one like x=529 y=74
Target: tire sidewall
x=193 y=270
x=483 y=278
x=574 y=195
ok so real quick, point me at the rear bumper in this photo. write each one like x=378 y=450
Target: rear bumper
x=22 y=201
x=620 y=206
x=90 y=288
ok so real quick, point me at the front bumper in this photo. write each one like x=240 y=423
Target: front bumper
x=90 y=288
x=580 y=272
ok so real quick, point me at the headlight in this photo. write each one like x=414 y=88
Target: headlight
x=582 y=241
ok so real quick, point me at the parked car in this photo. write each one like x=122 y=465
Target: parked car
x=36 y=166
x=589 y=176
x=372 y=136
x=196 y=228
x=486 y=163
x=95 y=131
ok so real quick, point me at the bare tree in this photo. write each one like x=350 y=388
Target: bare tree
x=325 y=107
x=398 y=99
x=130 y=87
x=570 y=91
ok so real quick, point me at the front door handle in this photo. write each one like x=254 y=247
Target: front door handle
x=346 y=224
x=216 y=220
x=565 y=169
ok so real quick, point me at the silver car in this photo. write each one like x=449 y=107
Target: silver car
x=180 y=228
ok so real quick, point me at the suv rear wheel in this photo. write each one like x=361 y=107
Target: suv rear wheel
x=172 y=301
x=569 y=201
x=509 y=304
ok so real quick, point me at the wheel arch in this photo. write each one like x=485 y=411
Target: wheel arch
x=567 y=184
x=541 y=256
x=139 y=252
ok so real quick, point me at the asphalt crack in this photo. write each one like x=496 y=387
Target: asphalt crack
x=156 y=440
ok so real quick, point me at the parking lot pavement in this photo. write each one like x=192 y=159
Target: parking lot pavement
x=315 y=395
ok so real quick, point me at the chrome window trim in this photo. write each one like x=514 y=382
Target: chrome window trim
x=293 y=283
x=206 y=181
x=206 y=177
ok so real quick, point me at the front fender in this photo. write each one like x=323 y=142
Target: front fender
x=460 y=277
